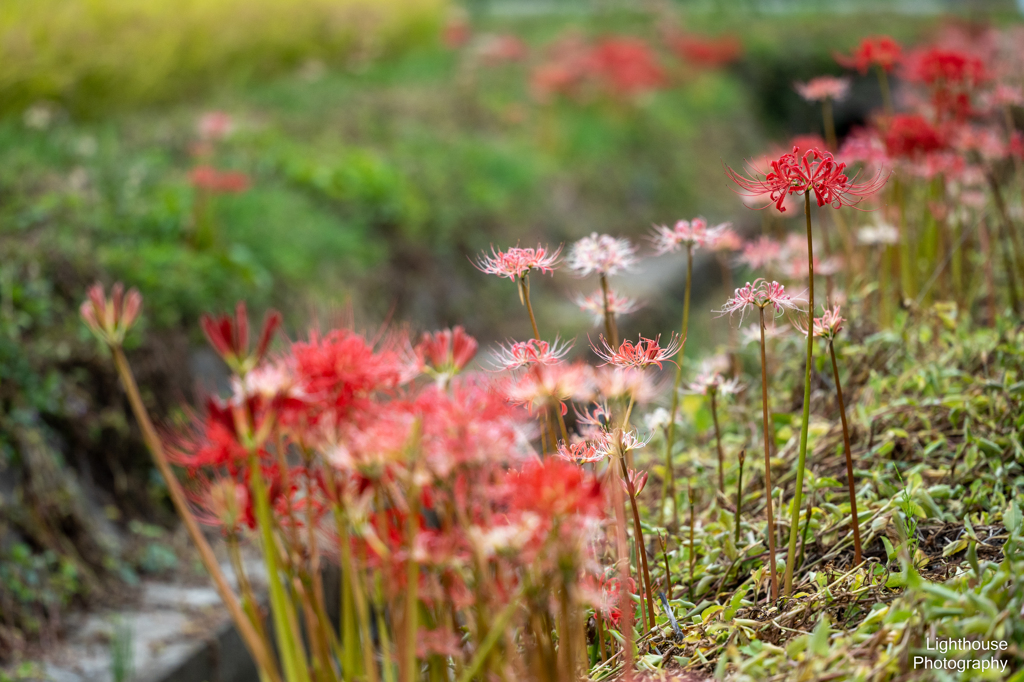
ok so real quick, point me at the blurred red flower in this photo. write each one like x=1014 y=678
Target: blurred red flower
x=881 y=51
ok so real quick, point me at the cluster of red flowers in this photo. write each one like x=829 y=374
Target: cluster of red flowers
x=879 y=51
x=705 y=51
x=212 y=128
x=334 y=423
x=209 y=179
x=618 y=67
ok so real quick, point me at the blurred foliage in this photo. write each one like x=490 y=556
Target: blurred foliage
x=90 y=55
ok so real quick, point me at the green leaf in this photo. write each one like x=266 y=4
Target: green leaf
x=819 y=638
x=1012 y=518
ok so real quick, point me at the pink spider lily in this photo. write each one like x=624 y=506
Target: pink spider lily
x=827 y=326
x=110 y=319
x=617 y=304
x=636 y=480
x=230 y=337
x=597 y=416
x=445 y=352
x=761 y=253
x=824 y=87
x=760 y=294
x=712 y=382
x=551 y=386
x=685 y=233
x=616 y=383
x=812 y=171
x=622 y=442
x=583 y=452
x=532 y=352
x=518 y=262
x=726 y=239
x=601 y=254
x=644 y=353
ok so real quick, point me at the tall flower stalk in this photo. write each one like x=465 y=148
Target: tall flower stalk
x=760 y=295
x=688 y=234
x=828 y=327
x=110 y=319
x=807 y=172
x=714 y=386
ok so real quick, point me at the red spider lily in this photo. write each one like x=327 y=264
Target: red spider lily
x=583 y=452
x=601 y=254
x=603 y=595
x=911 y=135
x=556 y=488
x=937 y=66
x=532 y=352
x=760 y=294
x=824 y=87
x=110 y=319
x=617 y=304
x=211 y=441
x=828 y=325
x=445 y=352
x=881 y=51
x=688 y=233
x=627 y=66
x=455 y=33
x=518 y=262
x=466 y=425
x=705 y=51
x=230 y=337
x=952 y=75
x=341 y=367
x=619 y=67
x=644 y=353
x=210 y=179
x=812 y=171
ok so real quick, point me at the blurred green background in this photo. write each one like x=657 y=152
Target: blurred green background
x=384 y=144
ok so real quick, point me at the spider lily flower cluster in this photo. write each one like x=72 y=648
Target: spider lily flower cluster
x=483 y=527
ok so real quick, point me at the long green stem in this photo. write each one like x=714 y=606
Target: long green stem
x=739 y=495
x=718 y=441
x=669 y=487
x=883 y=85
x=768 y=467
x=264 y=658
x=794 y=512
x=854 y=519
x=524 y=296
x=611 y=331
x=830 y=124
x=641 y=548
x=293 y=657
